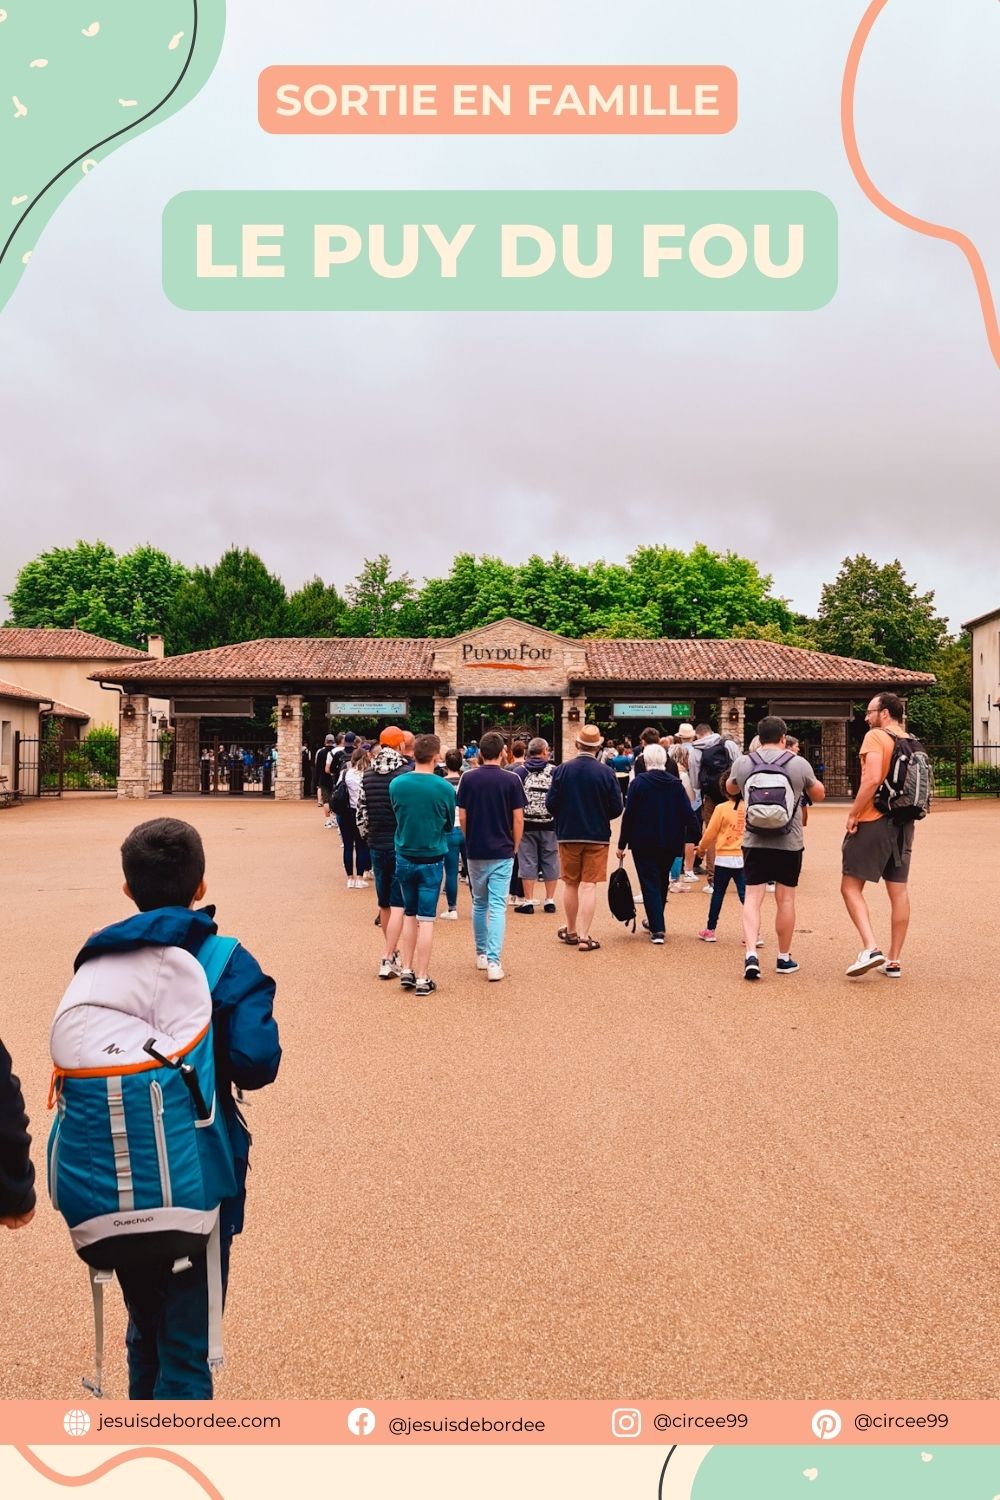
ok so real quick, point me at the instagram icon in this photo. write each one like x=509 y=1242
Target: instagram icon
x=626 y=1422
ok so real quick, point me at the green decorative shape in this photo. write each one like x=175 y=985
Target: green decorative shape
x=62 y=87
x=849 y=1472
x=285 y=279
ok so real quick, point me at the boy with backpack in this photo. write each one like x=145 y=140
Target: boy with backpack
x=710 y=757
x=148 y=1153
x=773 y=782
x=538 y=851
x=894 y=794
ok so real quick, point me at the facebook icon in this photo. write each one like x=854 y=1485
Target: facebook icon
x=361 y=1421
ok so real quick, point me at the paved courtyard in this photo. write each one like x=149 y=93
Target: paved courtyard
x=617 y=1174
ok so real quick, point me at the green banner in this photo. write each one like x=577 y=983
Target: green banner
x=500 y=251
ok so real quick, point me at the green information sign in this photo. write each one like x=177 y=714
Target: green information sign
x=366 y=709
x=652 y=710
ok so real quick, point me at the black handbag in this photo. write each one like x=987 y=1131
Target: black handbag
x=620 y=898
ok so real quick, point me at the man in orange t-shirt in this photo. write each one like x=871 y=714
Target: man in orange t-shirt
x=875 y=848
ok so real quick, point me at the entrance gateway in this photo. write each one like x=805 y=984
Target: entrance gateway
x=509 y=671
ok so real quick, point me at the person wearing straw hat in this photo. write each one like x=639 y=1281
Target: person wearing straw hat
x=583 y=798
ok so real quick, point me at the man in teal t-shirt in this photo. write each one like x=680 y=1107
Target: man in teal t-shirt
x=424 y=805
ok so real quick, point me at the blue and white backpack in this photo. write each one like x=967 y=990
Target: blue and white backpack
x=139 y=1158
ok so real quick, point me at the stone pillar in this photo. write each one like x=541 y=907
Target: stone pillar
x=834 y=752
x=288 y=782
x=571 y=727
x=447 y=730
x=736 y=727
x=187 y=774
x=133 y=748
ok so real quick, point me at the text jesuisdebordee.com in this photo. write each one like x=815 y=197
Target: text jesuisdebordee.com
x=524 y=250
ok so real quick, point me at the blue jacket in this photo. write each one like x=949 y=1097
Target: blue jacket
x=245 y=1033
x=658 y=815
x=584 y=797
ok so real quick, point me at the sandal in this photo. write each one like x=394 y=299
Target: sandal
x=588 y=945
x=565 y=936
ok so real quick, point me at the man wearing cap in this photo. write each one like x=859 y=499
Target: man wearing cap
x=583 y=798
x=324 y=786
x=376 y=821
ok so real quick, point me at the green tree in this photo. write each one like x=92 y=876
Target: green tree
x=475 y=592
x=874 y=613
x=88 y=585
x=237 y=600
x=316 y=609
x=380 y=605
x=943 y=714
x=703 y=593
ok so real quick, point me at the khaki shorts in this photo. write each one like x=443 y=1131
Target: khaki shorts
x=586 y=863
x=880 y=850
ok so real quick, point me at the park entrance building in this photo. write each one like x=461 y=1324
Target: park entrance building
x=507 y=675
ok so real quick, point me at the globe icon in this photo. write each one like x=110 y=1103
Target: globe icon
x=76 y=1422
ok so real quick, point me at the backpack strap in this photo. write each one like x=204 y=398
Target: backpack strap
x=214 y=955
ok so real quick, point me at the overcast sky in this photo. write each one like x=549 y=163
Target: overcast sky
x=320 y=439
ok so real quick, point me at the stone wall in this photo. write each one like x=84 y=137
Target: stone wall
x=834 y=751
x=187 y=772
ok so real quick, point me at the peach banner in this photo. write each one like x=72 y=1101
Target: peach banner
x=495 y=100
x=520 y=1423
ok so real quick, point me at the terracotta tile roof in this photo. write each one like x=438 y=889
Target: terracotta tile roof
x=74 y=645
x=65 y=711
x=734 y=661
x=10 y=690
x=342 y=659
x=295 y=659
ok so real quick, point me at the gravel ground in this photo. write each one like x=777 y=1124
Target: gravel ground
x=623 y=1173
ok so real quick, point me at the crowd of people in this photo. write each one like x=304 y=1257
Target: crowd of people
x=692 y=807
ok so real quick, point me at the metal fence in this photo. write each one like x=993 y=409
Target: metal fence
x=962 y=771
x=47 y=769
x=211 y=768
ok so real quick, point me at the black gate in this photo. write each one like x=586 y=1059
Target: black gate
x=44 y=768
x=212 y=767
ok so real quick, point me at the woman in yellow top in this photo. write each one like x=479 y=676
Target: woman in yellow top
x=725 y=833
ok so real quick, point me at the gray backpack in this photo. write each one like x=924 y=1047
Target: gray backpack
x=768 y=795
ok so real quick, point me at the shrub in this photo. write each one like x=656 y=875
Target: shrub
x=101 y=750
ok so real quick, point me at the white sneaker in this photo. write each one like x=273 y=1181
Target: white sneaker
x=690 y=875
x=481 y=961
x=448 y=916
x=330 y=823
x=868 y=958
x=389 y=967
x=708 y=890
x=494 y=971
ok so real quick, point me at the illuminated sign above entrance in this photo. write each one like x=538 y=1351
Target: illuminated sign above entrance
x=652 y=710
x=366 y=709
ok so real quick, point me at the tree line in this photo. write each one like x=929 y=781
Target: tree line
x=869 y=610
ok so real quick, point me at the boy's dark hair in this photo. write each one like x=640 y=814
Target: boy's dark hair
x=894 y=706
x=771 y=729
x=453 y=760
x=491 y=745
x=426 y=747
x=163 y=862
x=650 y=736
x=518 y=748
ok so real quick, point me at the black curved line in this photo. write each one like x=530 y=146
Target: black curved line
x=663 y=1471
x=108 y=138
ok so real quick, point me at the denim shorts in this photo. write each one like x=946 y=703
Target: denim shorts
x=420 y=885
x=387 y=892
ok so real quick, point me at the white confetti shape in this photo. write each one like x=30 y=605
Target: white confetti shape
x=92 y=29
x=88 y=165
x=810 y=1473
x=128 y=103
x=20 y=110
x=175 y=41
x=3 y=15
x=39 y=62
x=25 y=257
x=22 y=199
x=926 y=1457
